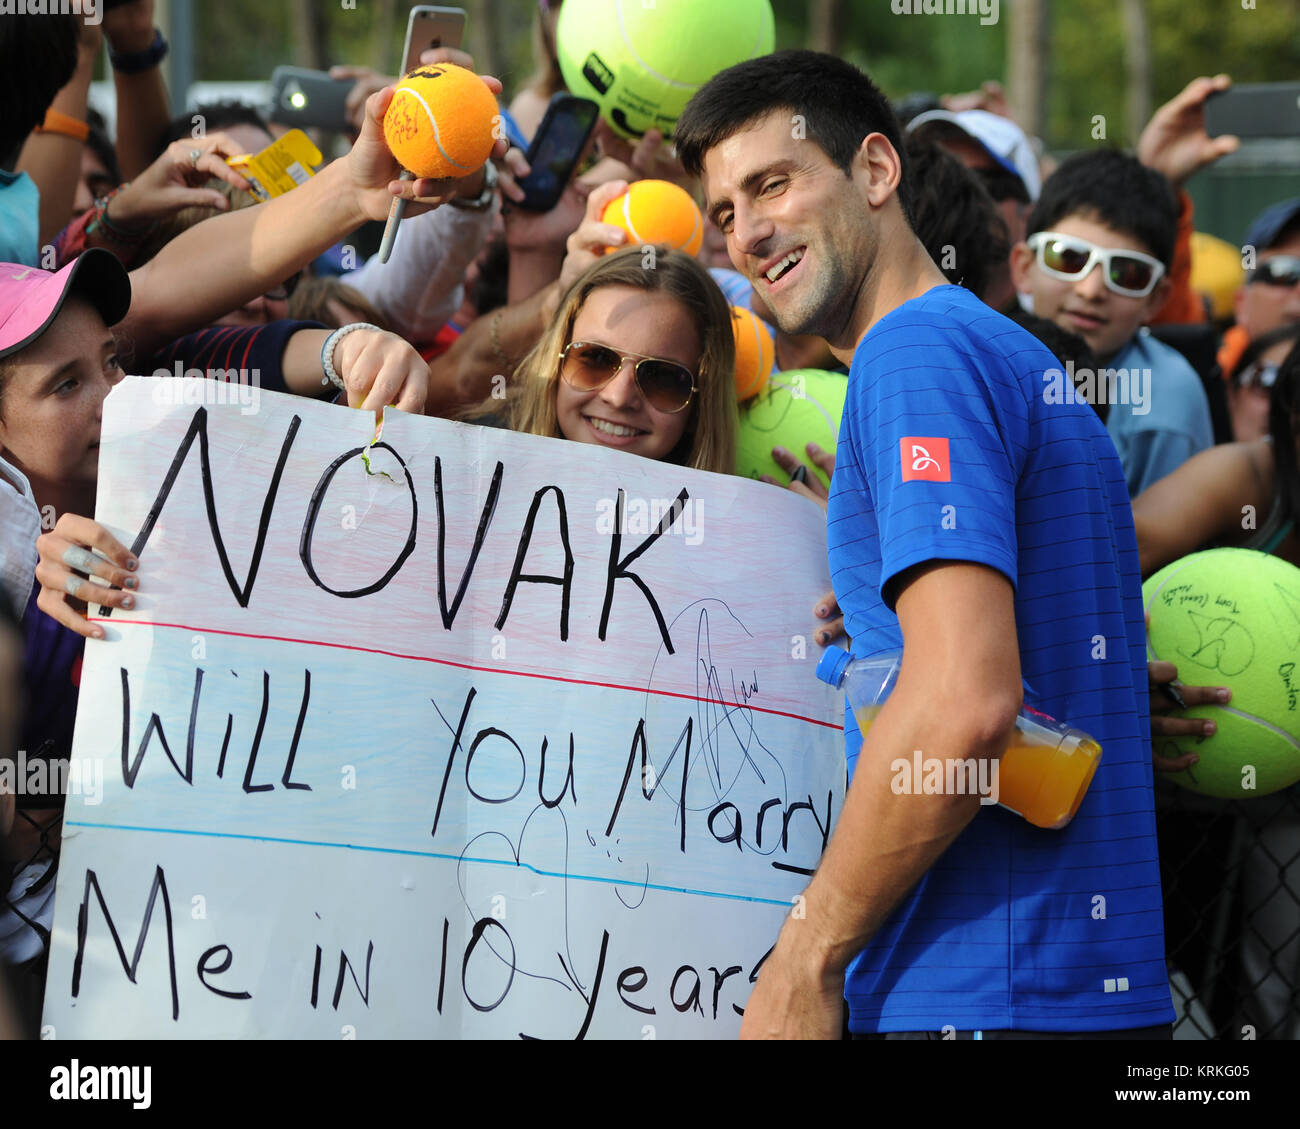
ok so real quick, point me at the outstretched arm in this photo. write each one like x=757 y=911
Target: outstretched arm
x=1204 y=499
x=223 y=263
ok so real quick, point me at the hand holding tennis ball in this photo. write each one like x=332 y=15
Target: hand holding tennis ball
x=594 y=236
x=442 y=122
x=373 y=170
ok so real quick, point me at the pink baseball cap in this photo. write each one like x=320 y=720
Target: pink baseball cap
x=30 y=298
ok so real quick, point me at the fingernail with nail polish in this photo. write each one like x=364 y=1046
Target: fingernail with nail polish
x=128 y=601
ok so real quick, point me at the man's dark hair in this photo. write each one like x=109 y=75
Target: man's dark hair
x=38 y=55
x=1116 y=190
x=836 y=103
x=954 y=217
x=216 y=117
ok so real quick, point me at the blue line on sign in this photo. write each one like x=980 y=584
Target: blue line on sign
x=427 y=854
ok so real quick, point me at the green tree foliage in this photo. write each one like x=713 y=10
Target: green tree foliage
x=950 y=53
x=247 y=39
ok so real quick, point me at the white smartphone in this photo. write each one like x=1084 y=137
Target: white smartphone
x=430 y=27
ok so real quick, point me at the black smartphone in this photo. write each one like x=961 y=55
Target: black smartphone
x=306 y=98
x=429 y=27
x=1264 y=109
x=556 y=148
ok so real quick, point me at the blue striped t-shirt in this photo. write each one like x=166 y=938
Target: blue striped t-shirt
x=1014 y=927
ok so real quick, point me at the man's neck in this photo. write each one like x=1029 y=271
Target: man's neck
x=902 y=270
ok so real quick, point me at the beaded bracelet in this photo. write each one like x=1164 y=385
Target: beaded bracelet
x=104 y=225
x=327 y=352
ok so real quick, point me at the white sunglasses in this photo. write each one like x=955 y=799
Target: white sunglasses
x=1070 y=259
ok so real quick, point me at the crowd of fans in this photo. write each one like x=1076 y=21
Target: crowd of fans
x=148 y=251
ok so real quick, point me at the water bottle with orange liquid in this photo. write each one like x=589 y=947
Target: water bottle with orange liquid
x=1046 y=769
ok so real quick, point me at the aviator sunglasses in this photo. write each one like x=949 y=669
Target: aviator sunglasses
x=666 y=385
x=1284 y=270
x=1069 y=258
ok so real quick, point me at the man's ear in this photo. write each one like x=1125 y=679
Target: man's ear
x=879 y=160
x=1022 y=265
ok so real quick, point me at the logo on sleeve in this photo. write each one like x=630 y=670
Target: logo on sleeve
x=925 y=458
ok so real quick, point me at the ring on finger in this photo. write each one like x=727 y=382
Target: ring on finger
x=75 y=557
x=800 y=474
x=73 y=585
x=195 y=154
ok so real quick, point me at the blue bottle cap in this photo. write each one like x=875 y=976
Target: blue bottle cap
x=832 y=665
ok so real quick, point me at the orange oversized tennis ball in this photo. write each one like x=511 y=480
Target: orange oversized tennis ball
x=657 y=211
x=755 y=352
x=441 y=122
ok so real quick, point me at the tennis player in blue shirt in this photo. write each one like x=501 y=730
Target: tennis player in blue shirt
x=986 y=532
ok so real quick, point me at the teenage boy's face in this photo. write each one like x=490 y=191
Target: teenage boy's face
x=798 y=228
x=1087 y=306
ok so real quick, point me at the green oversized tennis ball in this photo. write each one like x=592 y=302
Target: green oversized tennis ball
x=642 y=61
x=1231 y=617
x=798 y=407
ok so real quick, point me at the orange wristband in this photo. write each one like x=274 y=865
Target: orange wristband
x=58 y=122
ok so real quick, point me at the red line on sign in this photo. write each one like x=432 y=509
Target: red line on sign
x=463 y=666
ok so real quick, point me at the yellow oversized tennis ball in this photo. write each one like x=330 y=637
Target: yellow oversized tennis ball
x=755 y=352
x=796 y=408
x=657 y=211
x=441 y=122
x=1231 y=617
x=643 y=60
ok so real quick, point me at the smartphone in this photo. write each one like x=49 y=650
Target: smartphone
x=1265 y=109
x=556 y=149
x=430 y=27
x=306 y=98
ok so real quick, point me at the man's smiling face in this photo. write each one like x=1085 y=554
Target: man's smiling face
x=797 y=227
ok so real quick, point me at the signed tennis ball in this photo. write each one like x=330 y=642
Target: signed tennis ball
x=657 y=211
x=1231 y=617
x=797 y=407
x=643 y=61
x=755 y=352
x=441 y=122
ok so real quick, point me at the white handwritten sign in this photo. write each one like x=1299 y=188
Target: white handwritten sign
x=495 y=736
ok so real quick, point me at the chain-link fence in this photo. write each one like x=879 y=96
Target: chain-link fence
x=1231 y=876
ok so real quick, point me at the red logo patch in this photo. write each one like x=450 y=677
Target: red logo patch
x=925 y=458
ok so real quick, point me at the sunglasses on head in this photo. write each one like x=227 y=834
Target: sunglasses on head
x=1069 y=258
x=1281 y=271
x=588 y=366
